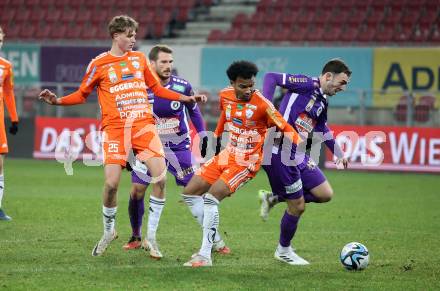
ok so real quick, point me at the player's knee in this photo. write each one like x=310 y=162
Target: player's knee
x=138 y=191
x=297 y=208
x=327 y=195
x=111 y=187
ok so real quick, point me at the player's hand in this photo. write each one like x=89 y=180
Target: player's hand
x=193 y=98
x=204 y=146
x=48 y=96
x=342 y=163
x=13 y=128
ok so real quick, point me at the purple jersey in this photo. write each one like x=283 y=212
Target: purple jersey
x=172 y=116
x=304 y=106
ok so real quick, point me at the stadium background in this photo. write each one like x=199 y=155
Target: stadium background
x=391 y=47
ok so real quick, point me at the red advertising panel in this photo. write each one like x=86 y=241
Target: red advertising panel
x=61 y=138
x=388 y=148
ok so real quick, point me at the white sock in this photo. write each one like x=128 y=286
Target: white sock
x=155 y=210
x=109 y=217
x=282 y=249
x=211 y=221
x=195 y=204
x=2 y=186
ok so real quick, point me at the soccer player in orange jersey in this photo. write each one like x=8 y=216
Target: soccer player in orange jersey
x=6 y=97
x=122 y=77
x=248 y=115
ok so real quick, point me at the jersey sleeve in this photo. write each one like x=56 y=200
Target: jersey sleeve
x=221 y=121
x=275 y=118
x=296 y=83
x=8 y=92
x=329 y=140
x=154 y=85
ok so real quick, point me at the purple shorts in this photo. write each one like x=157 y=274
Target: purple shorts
x=289 y=181
x=179 y=163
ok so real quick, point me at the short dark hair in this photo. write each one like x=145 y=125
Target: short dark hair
x=243 y=69
x=121 y=23
x=154 y=52
x=336 y=66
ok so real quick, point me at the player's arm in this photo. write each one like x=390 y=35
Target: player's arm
x=8 y=92
x=197 y=120
x=294 y=83
x=159 y=91
x=90 y=80
x=331 y=143
x=275 y=118
x=219 y=130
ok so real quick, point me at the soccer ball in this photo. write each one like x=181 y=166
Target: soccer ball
x=354 y=256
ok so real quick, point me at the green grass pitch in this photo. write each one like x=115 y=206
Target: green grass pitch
x=57 y=221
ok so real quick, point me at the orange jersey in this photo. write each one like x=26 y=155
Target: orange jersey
x=247 y=122
x=121 y=85
x=7 y=90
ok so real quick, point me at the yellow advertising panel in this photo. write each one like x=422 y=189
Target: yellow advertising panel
x=399 y=70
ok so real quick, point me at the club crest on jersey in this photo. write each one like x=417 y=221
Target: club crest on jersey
x=228 y=111
x=175 y=105
x=136 y=64
x=112 y=75
x=249 y=113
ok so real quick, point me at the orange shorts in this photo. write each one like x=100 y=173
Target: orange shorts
x=117 y=143
x=233 y=174
x=3 y=140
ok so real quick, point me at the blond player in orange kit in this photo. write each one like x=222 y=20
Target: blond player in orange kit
x=248 y=115
x=122 y=77
x=6 y=97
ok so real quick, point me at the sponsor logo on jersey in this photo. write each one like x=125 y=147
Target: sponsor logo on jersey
x=136 y=64
x=250 y=123
x=125 y=70
x=237 y=121
x=175 y=105
x=238 y=113
x=112 y=75
x=133 y=58
x=178 y=88
x=304 y=123
x=127 y=86
x=180 y=81
x=127 y=77
x=271 y=112
x=293 y=79
x=239 y=107
x=228 y=112
x=123 y=64
x=251 y=106
x=138 y=74
x=310 y=104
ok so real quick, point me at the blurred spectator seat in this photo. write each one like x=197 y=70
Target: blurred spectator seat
x=423 y=108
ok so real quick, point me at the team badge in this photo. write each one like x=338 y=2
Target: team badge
x=175 y=105
x=135 y=64
x=249 y=113
x=310 y=105
x=112 y=75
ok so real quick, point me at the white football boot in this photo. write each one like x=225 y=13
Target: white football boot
x=197 y=261
x=153 y=248
x=289 y=256
x=103 y=243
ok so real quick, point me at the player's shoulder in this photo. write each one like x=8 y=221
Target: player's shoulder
x=227 y=92
x=179 y=80
x=260 y=100
x=5 y=63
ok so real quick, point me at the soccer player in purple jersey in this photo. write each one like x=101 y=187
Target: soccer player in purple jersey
x=172 y=123
x=304 y=106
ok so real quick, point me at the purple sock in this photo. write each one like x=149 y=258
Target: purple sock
x=289 y=224
x=136 y=213
x=309 y=197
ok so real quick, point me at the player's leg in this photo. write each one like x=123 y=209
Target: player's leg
x=229 y=181
x=157 y=167
x=3 y=215
x=316 y=187
x=288 y=226
x=136 y=208
x=183 y=171
x=112 y=174
x=114 y=161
